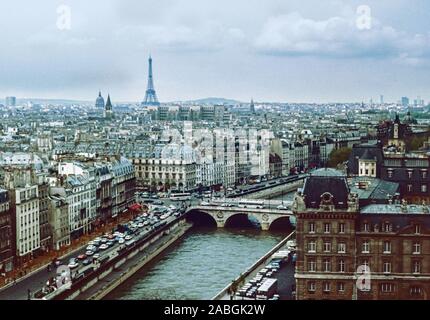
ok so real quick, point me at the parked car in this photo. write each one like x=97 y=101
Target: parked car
x=73 y=263
x=86 y=262
x=91 y=248
x=82 y=257
x=89 y=253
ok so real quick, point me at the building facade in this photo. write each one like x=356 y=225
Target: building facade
x=345 y=251
x=7 y=250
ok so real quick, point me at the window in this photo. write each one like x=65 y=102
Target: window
x=387 y=227
x=327 y=246
x=387 y=287
x=387 y=247
x=423 y=188
x=416 y=248
x=326 y=227
x=341 y=247
x=326 y=265
x=312 y=266
x=341 y=265
x=417 y=229
x=390 y=173
x=415 y=290
x=409 y=188
x=311 y=227
x=365 y=246
x=424 y=174
x=312 y=246
x=366 y=227
x=410 y=174
x=341 y=286
x=416 y=267
x=341 y=227
x=311 y=286
x=387 y=267
x=326 y=286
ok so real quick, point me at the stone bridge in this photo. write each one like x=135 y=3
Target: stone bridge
x=221 y=214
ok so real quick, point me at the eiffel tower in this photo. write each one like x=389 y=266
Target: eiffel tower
x=150 y=96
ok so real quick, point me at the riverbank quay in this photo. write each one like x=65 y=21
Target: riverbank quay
x=252 y=271
x=126 y=270
x=115 y=260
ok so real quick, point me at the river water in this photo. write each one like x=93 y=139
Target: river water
x=201 y=264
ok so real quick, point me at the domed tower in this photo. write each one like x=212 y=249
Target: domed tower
x=100 y=102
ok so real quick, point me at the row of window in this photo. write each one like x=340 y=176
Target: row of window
x=387 y=227
x=327 y=265
x=410 y=173
x=327 y=227
x=387 y=247
x=326 y=287
x=365 y=247
x=4 y=207
x=341 y=266
x=327 y=246
x=340 y=286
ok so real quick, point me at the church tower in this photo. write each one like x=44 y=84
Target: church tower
x=108 y=113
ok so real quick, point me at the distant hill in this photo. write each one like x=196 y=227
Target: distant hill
x=213 y=100
x=50 y=101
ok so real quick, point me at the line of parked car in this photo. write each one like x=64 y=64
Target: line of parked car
x=255 y=288
x=100 y=244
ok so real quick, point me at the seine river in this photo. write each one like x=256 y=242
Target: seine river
x=200 y=264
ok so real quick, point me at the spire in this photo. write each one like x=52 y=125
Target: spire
x=108 y=103
x=252 y=106
x=397 y=120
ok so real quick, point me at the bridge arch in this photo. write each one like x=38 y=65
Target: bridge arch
x=281 y=223
x=242 y=219
x=201 y=218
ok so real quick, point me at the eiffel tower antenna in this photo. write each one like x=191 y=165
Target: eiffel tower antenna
x=150 y=96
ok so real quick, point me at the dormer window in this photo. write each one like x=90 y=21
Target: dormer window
x=366 y=227
x=387 y=227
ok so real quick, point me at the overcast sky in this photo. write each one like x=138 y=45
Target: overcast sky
x=272 y=50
